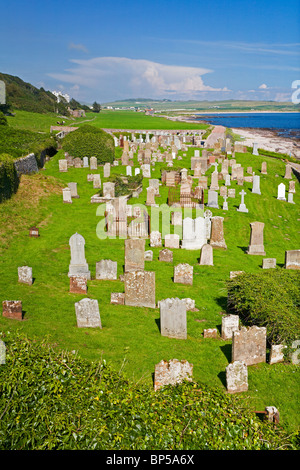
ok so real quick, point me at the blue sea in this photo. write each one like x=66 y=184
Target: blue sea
x=284 y=124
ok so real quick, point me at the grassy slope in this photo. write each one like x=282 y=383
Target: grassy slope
x=133 y=333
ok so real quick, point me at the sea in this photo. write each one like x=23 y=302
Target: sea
x=284 y=124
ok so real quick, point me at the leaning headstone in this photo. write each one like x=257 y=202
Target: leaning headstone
x=256 y=246
x=230 y=323
x=292 y=259
x=206 y=258
x=173 y=318
x=140 y=289
x=288 y=172
x=106 y=269
x=12 y=309
x=25 y=275
x=87 y=313
x=249 y=345
x=78 y=265
x=269 y=263
x=277 y=353
x=217 y=233
x=172 y=373
x=237 y=377
x=134 y=255
x=183 y=274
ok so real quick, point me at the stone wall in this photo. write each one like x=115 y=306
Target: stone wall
x=26 y=165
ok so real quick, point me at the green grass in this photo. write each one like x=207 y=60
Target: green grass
x=133 y=333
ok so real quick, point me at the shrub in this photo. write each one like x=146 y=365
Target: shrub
x=270 y=299
x=9 y=180
x=88 y=141
x=3 y=120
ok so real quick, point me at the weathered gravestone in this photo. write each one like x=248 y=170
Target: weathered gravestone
x=212 y=199
x=93 y=163
x=249 y=345
x=87 y=313
x=183 y=274
x=134 y=255
x=237 y=377
x=171 y=240
x=96 y=181
x=217 y=233
x=25 y=275
x=63 y=166
x=277 y=353
x=117 y=298
x=106 y=269
x=106 y=170
x=73 y=189
x=173 y=318
x=148 y=255
x=256 y=246
x=12 y=309
x=230 y=323
x=140 y=289
x=78 y=285
x=172 y=373
x=269 y=263
x=292 y=259
x=206 y=258
x=166 y=255
x=78 y=265
x=67 y=199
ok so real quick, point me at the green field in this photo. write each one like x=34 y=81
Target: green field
x=130 y=339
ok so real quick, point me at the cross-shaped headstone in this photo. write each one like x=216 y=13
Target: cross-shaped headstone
x=216 y=167
x=243 y=194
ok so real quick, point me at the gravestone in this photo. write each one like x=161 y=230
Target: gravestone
x=217 y=233
x=206 y=258
x=225 y=204
x=106 y=170
x=277 y=353
x=166 y=255
x=150 y=196
x=223 y=191
x=73 y=189
x=93 y=163
x=292 y=187
x=256 y=184
x=230 y=323
x=193 y=233
x=134 y=255
x=183 y=274
x=34 y=232
x=256 y=246
x=109 y=190
x=78 y=285
x=291 y=198
x=255 y=149
x=106 y=269
x=173 y=322
x=212 y=199
x=2 y=353
x=97 y=181
x=155 y=239
x=12 y=309
x=67 y=199
x=117 y=298
x=78 y=265
x=172 y=240
x=231 y=192
x=128 y=170
x=140 y=289
x=249 y=345
x=269 y=263
x=242 y=207
x=63 y=166
x=146 y=169
x=264 y=168
x=148 y=255
x=237 y=377
x=154 y=183
x=281 y=192
x=292 y=259
x=85 y=162
x=214 y=185
x=172 y=373
x=288 y=172
x=227 y=180
x=25 y=275
x=87 y=313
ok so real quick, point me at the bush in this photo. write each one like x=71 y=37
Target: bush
x=88 y=141
x=54 y=400
x=270 y=299
x=9 y=181
x=18 y=143
x=3 y=120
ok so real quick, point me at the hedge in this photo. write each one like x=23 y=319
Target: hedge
x=270 y=299
x=88 y=141
x=9 y=181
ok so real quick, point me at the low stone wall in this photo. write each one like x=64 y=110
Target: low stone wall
x=26 y=165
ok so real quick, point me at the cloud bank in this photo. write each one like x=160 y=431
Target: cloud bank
x=121 y=77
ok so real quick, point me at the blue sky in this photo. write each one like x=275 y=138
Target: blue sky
x=192 y=49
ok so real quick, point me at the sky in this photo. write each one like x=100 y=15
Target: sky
x=104 y=51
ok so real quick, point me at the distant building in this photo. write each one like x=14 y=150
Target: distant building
x=60 y=95
x=77 y=112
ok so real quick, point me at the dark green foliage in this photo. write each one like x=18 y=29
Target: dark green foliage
x=124 y=185
x=89 y=141
x=270 y=299
x=54 y=400
x=3 y=120
x=96 y=107
x=19 y=143
x=9 y=180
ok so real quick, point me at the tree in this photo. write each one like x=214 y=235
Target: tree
x=96 y=107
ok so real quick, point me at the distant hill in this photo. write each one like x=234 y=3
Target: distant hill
x=26 y=97
x=202 y=106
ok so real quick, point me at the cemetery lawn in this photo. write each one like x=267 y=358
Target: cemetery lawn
x=130 y=339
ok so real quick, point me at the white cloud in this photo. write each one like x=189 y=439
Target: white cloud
x=78 y=47
x=124 y=77
x=263 y=86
